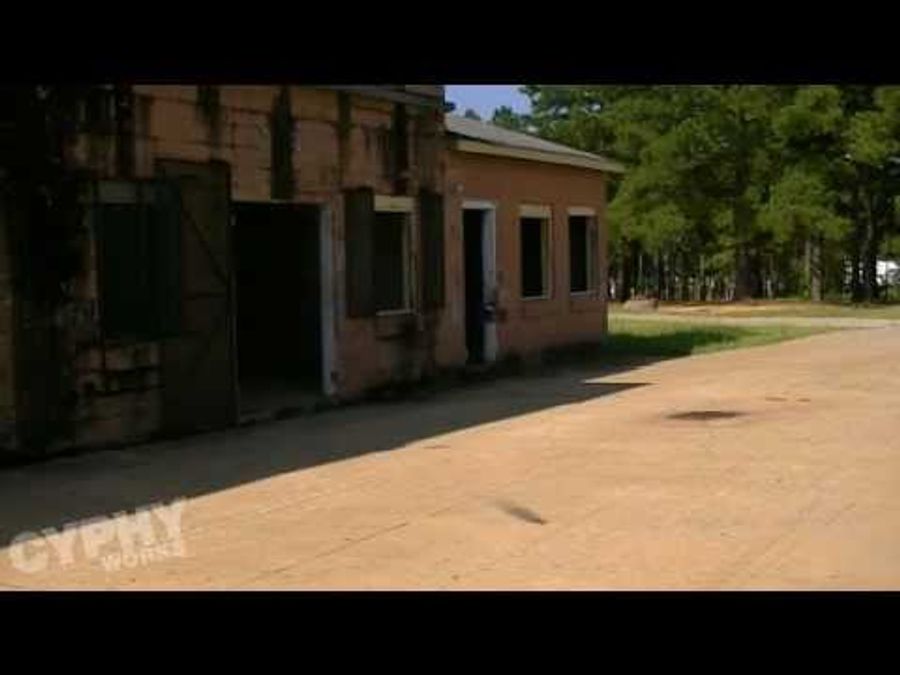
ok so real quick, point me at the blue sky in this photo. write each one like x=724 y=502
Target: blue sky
x=484 y=98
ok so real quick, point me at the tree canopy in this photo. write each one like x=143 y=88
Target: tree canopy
x=736 y=191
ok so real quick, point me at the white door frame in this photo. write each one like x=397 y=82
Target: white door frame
x=489 y=269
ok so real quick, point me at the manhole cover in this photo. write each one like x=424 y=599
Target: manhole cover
x=705 y=415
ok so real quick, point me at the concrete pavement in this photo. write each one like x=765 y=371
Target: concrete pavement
x=768 y=467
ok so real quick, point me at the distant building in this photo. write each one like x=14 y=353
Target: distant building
x=531 y=215
x=888 y=272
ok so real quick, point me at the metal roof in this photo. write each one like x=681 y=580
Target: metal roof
x=525 y=146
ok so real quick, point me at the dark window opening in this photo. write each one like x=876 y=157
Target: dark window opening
x=391 y=251
x=139 y=262
x=579 y=258
x=533 y=257
x=98 y=110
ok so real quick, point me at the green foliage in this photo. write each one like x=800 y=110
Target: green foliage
x=504 y=116
x=735 y=178
x=802 y=204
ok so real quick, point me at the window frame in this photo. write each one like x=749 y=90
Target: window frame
x=543 y=213
x=591 y=257
x=406 y=207
x=136 y=193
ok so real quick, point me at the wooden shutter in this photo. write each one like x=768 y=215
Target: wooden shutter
x=431 y=218
x=359 y=224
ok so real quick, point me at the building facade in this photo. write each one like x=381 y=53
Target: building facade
x=528 y=222
x=246 y=249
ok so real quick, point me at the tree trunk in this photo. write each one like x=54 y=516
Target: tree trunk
x=814 y=267
x=660 y=277
x=870 y=254
x=639 y=274
x=701 y=281
x=627 y=277
x=684 y=290
x=742 y=221
x=743 y=263
x=743 y=283
x=856 y=290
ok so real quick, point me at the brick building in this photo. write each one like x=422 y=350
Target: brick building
x=244 y=249
x=526 y=217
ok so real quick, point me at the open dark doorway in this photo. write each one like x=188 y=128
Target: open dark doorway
x=473 y=237
x=279 y=331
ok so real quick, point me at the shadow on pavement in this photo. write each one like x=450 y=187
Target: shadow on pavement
x=65 y=489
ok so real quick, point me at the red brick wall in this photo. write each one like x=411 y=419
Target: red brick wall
x=170 y=123
x=528 y=326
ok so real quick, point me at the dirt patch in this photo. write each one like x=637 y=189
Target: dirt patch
x=703 y=415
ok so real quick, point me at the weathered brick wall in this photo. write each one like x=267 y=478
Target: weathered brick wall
x=340 y=141
x=528 y=326
x=390 y=348
x=118 y=386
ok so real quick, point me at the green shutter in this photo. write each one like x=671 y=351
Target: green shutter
x=359 y=223
x=431 y=212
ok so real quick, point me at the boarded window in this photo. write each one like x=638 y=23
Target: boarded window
x=378 y=253
x=581 y=254
x=534 y=256
x=391 y=239
x=139 y=265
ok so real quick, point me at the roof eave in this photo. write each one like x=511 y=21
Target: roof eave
x=596 y=163
x=422 y=96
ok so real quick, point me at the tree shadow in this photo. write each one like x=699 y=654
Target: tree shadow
x=61 y=490
x=631 y=347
